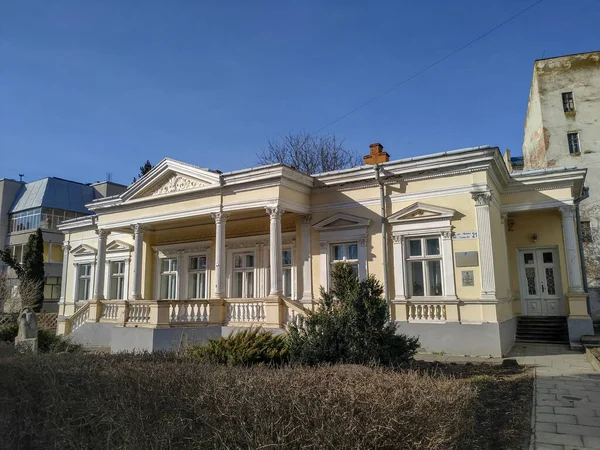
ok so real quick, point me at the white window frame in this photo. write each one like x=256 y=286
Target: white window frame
x=182 y=252
x=434 y=222
x=90 y=284
x=244 y=270
x=117 y=251
x=110 y=280
x=168 y=274
x=345 y=256
x=423 y=258
x=83 y=254
x=293 y=267
x=188 y=272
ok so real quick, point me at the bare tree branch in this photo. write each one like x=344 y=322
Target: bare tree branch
x=309 y=153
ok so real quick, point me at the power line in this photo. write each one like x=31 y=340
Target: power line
x=425 y=69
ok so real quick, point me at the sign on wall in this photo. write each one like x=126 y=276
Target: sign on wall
x=467 y=278
x=467 y=259
x=465 y=235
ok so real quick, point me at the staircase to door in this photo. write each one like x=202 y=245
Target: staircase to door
x=546 y=330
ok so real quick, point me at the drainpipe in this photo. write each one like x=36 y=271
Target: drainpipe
x=586 y=194
x=383 y=233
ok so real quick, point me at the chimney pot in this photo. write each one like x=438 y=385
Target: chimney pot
x=376 y=154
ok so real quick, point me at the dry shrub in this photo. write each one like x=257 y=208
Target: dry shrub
x=163 y=401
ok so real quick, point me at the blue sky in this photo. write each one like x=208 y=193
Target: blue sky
x=91 y=87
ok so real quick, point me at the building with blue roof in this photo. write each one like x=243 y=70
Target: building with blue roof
x=45 y=203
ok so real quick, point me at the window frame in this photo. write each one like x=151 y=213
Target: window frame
x=90 y=279
x=189 y=271
x=169 y=274
x=578 y=142
x=118 y=276
x=423 y=258
x=345 y=253
x=244 y=271
x=568 y=101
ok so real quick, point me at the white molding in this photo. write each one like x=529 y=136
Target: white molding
x=528 y=206
x=170 y=250
x=84 y=250
x=328 y=223
x=410 y=214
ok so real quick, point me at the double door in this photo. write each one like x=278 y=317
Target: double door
x=539 y=277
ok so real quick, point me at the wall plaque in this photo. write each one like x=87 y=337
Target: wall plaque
x=466 y=259
x=465 y=235
x=467 y=278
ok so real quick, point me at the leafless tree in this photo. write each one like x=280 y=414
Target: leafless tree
x=17 y=294
x=309 y=153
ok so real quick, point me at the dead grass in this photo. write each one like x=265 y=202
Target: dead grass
x=157 y=401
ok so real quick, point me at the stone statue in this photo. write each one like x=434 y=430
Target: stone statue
x=28 y=330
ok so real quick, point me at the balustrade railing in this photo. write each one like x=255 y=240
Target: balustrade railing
x=80 y=317
x=110 y=311
x=238 y=311
x=139 y=312
x=191 y=311
x=426 y=313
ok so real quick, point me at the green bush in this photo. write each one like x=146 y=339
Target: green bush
x=351 y=325
x=48 y=341
x=247 y=347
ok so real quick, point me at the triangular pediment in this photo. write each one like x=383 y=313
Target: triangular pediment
x=118 y=246
x=171 y=177
x=421 y=212
x=83 y=249
x=340 y=221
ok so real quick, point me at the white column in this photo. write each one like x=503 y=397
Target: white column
x=486 y=254
x=275 y=250
x=65 y=271
x=100 y=265
x=448 y=263
x=324 y=264
x=362 y=258
x=399 y=277
x=220 y=255
x=138 y=238
x=574 y=276
x=305 y=257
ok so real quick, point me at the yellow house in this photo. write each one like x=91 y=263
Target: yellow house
x=468 y=252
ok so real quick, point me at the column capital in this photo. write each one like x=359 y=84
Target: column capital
x=275 y=212
x=139 y=228
x=446 y=234
x=66 y=247
x=482 y=198
x=306 y=218
x=567 y=211
x=220 y=216
x=398 y=238
x=102 y=233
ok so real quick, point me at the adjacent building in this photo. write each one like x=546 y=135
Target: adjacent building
x=45 y=204
x=468 y=252
x=562 y=129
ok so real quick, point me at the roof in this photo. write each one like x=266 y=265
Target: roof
x=54 y=193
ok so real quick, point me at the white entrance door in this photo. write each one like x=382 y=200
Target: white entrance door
x=539 y=276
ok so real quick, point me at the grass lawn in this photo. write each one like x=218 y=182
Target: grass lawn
x=160 y=401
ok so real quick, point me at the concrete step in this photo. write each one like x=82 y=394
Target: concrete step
x=542 y=330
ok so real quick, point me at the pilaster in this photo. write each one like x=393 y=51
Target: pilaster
x=486 y=254
x=305 y=256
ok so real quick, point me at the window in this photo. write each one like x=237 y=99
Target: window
x=586 y=231
x=197 y=277
x=84 y=281
x=117 y=280
x=52 y=288
x=168 y=278
x=424 y=261
x=287 y=272
x=568 y=103
x=573 y=139
x=243 y=275
x=46 y=218
x=347 y=253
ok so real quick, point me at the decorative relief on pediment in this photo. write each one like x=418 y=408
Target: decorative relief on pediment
x=176 y=183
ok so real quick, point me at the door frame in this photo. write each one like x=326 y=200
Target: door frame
x=559 y=277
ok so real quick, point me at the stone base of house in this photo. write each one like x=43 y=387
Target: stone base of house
x=594 y=299
x=579 y=326
x=455 y=338
x=141 y=339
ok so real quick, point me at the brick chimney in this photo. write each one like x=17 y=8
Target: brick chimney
x=377 y=155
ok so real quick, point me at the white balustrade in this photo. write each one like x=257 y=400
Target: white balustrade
x=139 y=313
x=189 y=311
x=292 y=316
x=246 y=312
x=80 y=317
x=110 y=311
x=426 y=313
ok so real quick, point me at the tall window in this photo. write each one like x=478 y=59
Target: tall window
x=573 y=139
x=424 y=263
x=46 y=218
x=287 y=272
x=347 y=253
x=117 y=280
x=168 y=278
x=243 y=275
x=568 y=103
x=84 y=281
x=197 y=277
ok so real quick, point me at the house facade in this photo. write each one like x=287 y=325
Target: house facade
x=464 y=248
x=45 y=203
x=561 y=129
